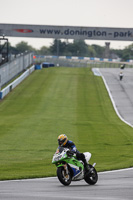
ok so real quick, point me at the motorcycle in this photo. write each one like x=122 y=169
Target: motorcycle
x=70 y=169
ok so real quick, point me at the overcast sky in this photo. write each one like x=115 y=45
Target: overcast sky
x=96 y=13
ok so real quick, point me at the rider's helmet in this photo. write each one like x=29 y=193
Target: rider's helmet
x=62 y=140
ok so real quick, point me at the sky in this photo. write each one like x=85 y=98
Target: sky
x=94 y=13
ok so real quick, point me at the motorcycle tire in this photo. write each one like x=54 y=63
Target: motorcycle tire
x=63 y=177
x=91 y=177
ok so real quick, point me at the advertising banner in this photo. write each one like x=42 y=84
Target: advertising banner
x=66 y=32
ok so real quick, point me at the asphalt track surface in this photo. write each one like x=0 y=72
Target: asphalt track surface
x=121 y=91
x=114 y=185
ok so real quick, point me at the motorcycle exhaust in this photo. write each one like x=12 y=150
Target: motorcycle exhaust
x=94 y=164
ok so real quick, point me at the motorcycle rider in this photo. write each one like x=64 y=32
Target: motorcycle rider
x=64 y=142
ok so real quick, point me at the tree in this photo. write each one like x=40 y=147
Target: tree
x=58 y=47
x=44 y=51
x=98 y=50
x=125 y=54
x=91 y=51
x=12 y=50
x=23 y=46
x=77 y=48
x=70 y=50
x=129 y=51
x=80 y=48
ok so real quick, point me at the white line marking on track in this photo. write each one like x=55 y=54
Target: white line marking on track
x=117 y=170
x=113 y=102
x=45 y=178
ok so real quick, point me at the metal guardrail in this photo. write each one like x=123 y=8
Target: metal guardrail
x=12 y=85
x=14 y=67
x=69 y=61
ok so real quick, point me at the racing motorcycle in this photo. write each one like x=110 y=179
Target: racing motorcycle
x=70 y=169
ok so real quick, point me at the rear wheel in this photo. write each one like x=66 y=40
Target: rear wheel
x=92 y=176
x=63 y=177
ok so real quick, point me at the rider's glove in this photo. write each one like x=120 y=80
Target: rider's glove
x=70 y=153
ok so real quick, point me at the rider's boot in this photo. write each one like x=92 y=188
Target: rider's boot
x=81 y=156
x=87 y=167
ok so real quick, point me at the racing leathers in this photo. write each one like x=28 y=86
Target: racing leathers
x=80 y=156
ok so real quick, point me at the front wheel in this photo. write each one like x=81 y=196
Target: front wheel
x=64 y=178
x=91 y=177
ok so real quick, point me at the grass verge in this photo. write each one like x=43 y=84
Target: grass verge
x=60 y=100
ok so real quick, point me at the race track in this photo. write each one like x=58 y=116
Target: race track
x=121 y=91
x=115 y=185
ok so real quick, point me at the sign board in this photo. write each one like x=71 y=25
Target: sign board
x=66 y=32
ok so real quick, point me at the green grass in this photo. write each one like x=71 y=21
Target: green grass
x=60 y=100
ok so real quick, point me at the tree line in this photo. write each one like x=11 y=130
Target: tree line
x=77 y=48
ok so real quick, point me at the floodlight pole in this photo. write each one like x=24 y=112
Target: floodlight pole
x=4 y=49
x=57 y=47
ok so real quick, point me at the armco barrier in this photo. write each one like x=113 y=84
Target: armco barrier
x=14 y=67
x=42 y=57
x=12 y=85
x=73 y=61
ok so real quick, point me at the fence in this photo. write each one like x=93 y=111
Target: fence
x=69 y=61
x=12 y=85
x=11 y=69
